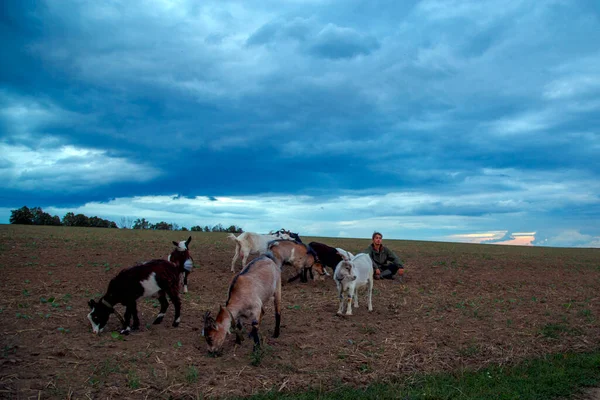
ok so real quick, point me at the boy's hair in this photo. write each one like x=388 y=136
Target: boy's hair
x=376 y=233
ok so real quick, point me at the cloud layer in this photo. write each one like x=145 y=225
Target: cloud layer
x=479 y=117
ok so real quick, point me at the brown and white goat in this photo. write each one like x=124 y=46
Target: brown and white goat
x=249 y=292
x=350 y=275
x=156 y=277
x=300 y=256
x=252 y=243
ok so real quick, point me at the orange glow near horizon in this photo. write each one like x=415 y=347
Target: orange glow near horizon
x=519 y=241
x=519 y=238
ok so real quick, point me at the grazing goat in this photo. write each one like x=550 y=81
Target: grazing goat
x=251 y=243
x=329 y=256
x=303 y=258
x=155 y=277
x=249 y=292
x=350 y=275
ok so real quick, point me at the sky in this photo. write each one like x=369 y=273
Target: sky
x=462 y=121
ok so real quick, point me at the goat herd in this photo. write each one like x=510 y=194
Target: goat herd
x=249 y=290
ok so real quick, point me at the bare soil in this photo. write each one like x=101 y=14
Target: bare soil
x=459 y=306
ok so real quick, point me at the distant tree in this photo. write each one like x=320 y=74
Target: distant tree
x=217 y=228
x=141 y=224
x=81 y=220
x=162 y=226
x=95 y=222
x=69 y=219
x=206 y=228
x=175 y=226
x=183 y=228
x=196 y=228
x=22 y=216
x=43 y=218
x=234 y=229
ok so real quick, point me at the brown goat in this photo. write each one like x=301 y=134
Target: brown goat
x=249 y=291
x=299 y=256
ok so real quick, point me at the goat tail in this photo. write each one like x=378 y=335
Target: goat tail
x=232 y=237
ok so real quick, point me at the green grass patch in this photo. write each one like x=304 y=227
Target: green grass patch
x=133 y=381
x=553 y=376
x=191 y=374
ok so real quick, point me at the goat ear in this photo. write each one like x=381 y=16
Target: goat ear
x=92 y=303
x=209 y=322
x=175 y=243
x=187 y=242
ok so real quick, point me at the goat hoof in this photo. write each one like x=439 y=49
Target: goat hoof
x=175 y=324
x=125 y=331
x=157 y=321
x=276 y=334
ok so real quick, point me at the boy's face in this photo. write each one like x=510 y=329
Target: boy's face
x=377 y=240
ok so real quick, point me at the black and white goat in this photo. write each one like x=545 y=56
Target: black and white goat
x=293 y=236
x=159 y=277
x=188 y=265
x=329 y=256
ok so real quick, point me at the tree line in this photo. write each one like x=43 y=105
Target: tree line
x=37 y=216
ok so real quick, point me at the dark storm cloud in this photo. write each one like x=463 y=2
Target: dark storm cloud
x=320 y=99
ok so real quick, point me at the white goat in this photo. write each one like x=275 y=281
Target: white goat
x=350 y=275
x=252 y=243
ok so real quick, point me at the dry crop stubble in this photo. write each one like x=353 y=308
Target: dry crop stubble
x=460 y=306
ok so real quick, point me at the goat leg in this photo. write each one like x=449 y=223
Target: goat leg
x=126 y=320
x=239 y=337
x=134 y=314
x=370 y=294
x=277 y=304
x=164 y=304
x=254 y=335
x=185 y=281
x=349 y=305
x=277 y=324
x=341 y=307
x=177 y=304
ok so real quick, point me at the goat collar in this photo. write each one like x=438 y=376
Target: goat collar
x=112 y=308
